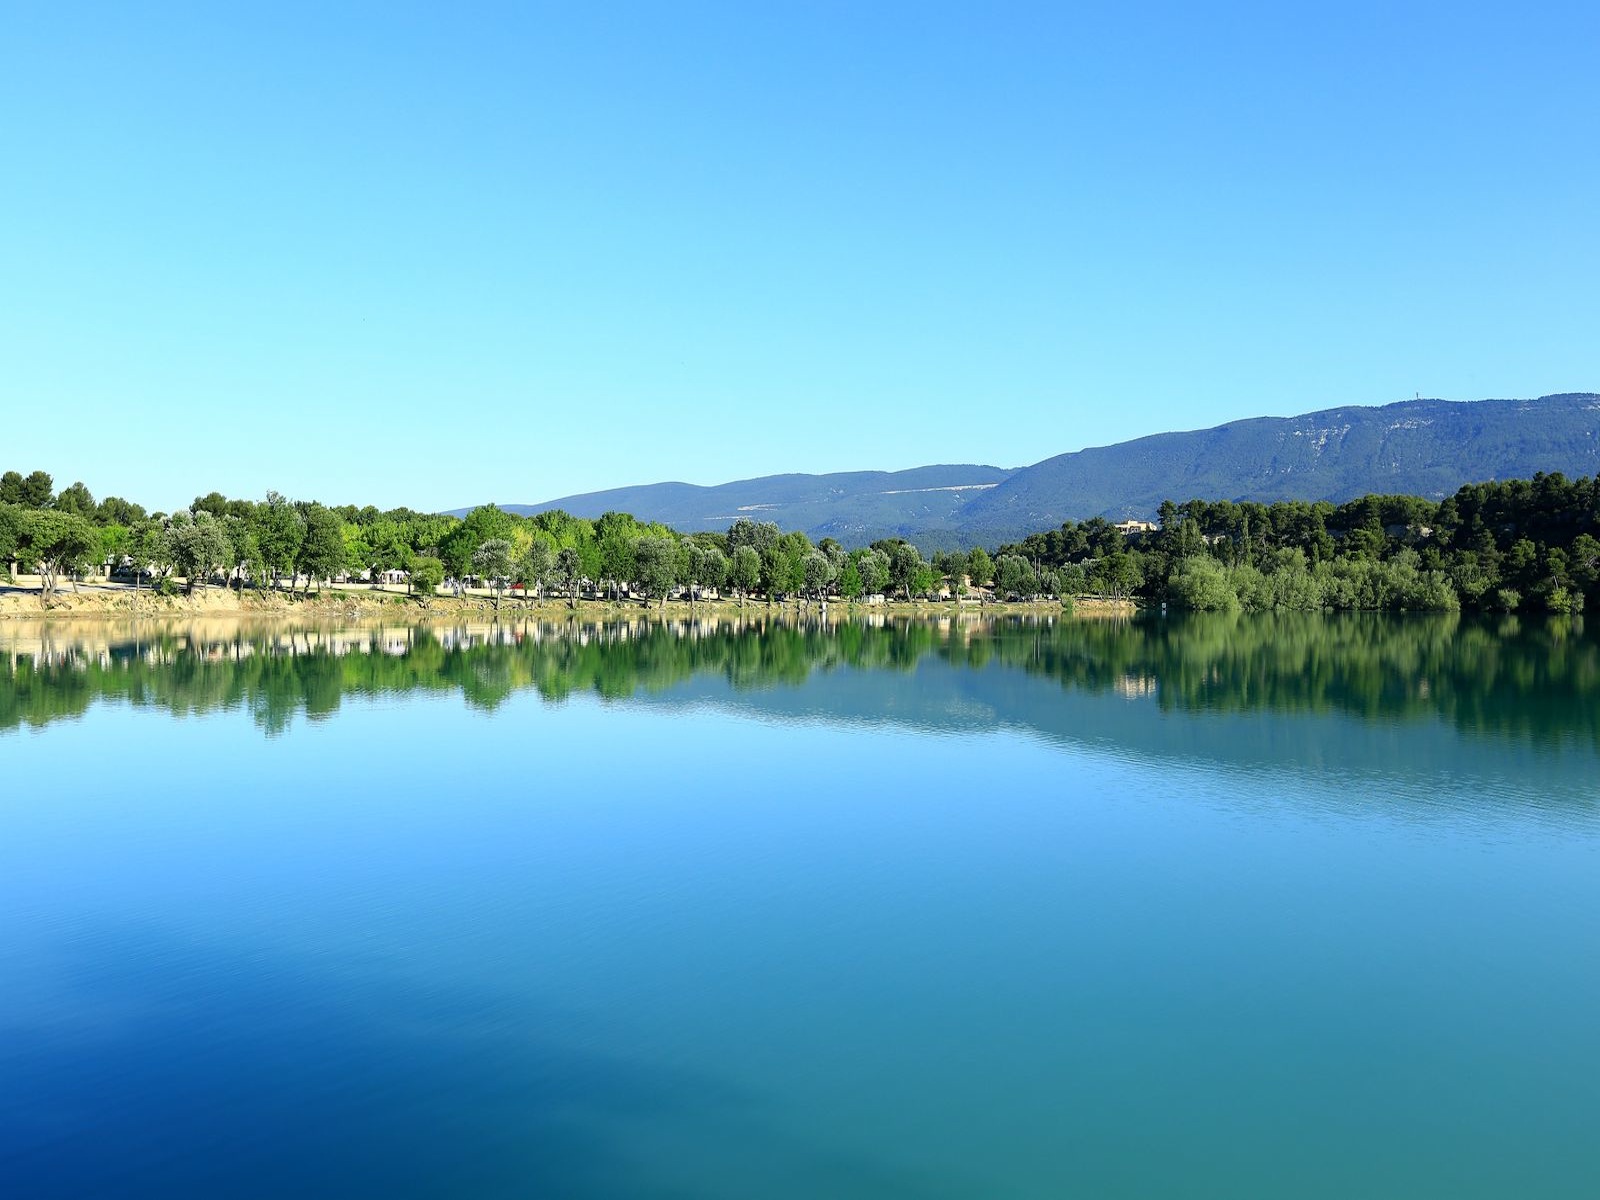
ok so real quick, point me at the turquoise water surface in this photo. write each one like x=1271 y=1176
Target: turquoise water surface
x=1233 y=908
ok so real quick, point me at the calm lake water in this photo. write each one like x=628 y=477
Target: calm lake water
x=1293 y=907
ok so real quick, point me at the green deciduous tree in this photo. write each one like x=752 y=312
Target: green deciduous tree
x=279 y=527
x=150 y=548
x=616 y=536
x=485 y=523
x=10 y=533
x=1117 y=571
x=114 y=542
x=1014 y=577
x=904 y=563
x=322 y=551
x=214 y=503
x=426 y=574
x=952 y=565
x=980 y=568
x=56 y=543
x=246 y=560
x=850 y=580
x=1201 y=583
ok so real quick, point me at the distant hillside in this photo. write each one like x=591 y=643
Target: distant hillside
x=854 y=506
x=1418 y=447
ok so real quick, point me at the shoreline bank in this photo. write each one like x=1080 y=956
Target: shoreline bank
x=102 y=601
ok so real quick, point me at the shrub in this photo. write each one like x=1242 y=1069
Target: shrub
x=1201 y=583
x=1560 y=600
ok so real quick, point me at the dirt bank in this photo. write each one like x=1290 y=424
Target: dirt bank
x=24 y=600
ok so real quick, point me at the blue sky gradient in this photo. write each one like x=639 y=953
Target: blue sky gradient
x=435 y=255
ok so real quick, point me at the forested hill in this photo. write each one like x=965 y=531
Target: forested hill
x=1423 y=448
x=1417 y=447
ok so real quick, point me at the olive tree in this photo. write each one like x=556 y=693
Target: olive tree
x=744 y=571
x=758 y=535
x=713 y=569
x=656 y=566
x=873 y=567
x=491 y=562
x=150 y=548
x=567 y=573
x=691 y=562
x=818 y=573
x=200 y=546
x=534 y=567
x=1014 y=576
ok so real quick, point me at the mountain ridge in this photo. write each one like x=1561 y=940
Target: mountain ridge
x=1426 y=447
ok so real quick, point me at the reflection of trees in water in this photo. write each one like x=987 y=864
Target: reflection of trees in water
x=1533 y=678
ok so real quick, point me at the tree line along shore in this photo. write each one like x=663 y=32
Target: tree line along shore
x=1507 y=546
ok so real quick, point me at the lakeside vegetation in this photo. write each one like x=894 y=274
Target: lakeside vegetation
x=1511 y=546
x=279 y=543
x=1514 y=546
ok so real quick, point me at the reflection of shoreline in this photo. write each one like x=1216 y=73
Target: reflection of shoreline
x=240 y=636
x=1340 y=759
x=1533 y=681
x=1136 y=687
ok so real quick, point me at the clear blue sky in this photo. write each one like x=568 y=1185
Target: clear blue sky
x=443 y=254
